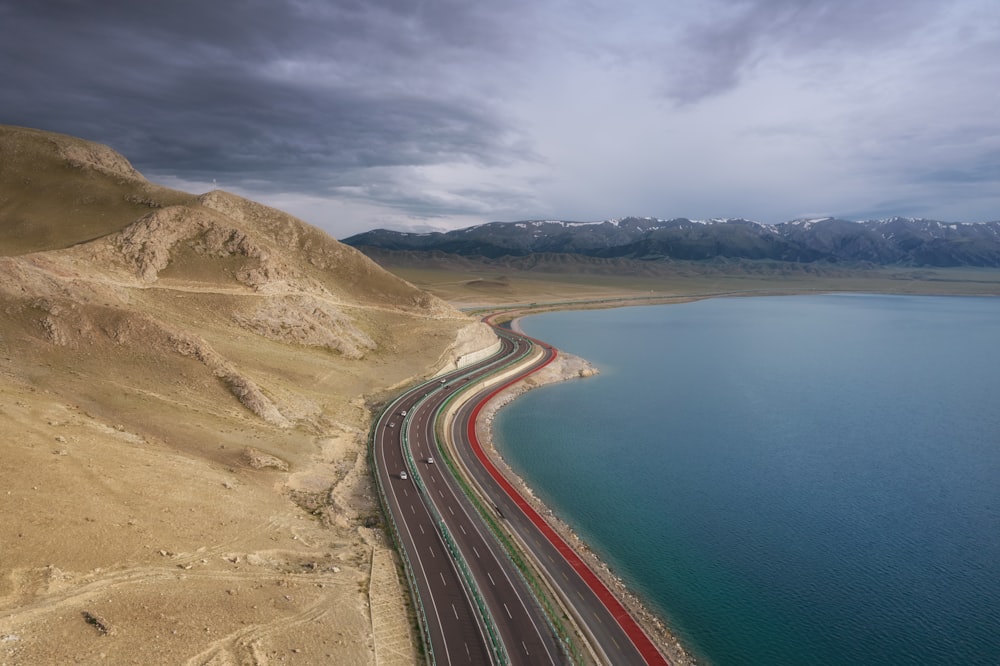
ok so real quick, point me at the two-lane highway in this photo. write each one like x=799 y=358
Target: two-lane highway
x=452 y=628
x=500 y=620
x=475 y=606
x=614 y=634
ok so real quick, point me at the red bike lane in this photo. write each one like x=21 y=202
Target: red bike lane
x=639 y=638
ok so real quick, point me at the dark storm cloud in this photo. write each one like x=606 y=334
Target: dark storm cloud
x=737 y=34
x=294 y=93
x=377 y=112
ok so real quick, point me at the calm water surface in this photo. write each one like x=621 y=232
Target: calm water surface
x=788 y=480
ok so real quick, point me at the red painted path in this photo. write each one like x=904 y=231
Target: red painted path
x=642 y=642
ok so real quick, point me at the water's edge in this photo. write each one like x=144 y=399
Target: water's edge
x=568 y=367
x=656 y=622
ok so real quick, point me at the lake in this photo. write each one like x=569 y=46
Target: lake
x=786 y=480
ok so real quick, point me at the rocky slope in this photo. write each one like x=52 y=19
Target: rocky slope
x=185 y=387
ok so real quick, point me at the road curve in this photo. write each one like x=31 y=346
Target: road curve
x=614 y=633
x=473 y=604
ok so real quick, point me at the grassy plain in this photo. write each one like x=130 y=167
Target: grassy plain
x=487 y=288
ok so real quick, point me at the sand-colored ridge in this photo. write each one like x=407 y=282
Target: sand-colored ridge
x=185 y=391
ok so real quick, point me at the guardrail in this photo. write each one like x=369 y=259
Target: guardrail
x=522 y=568
x=496 y=644
x=394 y=533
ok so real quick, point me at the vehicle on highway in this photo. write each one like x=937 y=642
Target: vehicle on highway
x=392 y=425
x=430 y=460
x=403 y=476
x=403 y=413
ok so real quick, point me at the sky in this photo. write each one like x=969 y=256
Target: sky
x=439 y=114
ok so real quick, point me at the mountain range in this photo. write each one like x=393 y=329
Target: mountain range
x=894 y=241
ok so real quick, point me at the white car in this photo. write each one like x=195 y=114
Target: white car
x=430 y=460
x=403 y=476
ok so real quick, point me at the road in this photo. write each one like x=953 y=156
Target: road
x=477 y=608
x=433 y=517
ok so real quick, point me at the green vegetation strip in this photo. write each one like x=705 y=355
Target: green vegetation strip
x=513 y=551
x=499 y=651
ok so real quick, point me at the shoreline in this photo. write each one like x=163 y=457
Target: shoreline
x=566 y=368
x=574 y=367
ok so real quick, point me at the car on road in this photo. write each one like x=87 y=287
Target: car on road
x=403 y=413
x=430 y=460
x=403 y=476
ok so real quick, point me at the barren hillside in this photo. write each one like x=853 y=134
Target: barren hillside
x=185 y=390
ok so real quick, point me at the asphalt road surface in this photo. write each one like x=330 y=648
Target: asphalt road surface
x=476 y=606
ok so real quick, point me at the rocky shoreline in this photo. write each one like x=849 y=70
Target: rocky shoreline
x=567 y=367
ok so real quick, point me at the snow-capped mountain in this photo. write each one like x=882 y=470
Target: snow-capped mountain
x=902 y=241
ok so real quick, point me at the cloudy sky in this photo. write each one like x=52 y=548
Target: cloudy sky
x=437 y=114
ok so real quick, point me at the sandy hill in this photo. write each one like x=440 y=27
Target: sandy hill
x=185 y=389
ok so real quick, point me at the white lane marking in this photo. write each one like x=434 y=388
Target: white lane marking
x=423 y=571
x=461 y=509
x=508 y=612
x=597 y=617
x=492 y=582
x=475 y=551
x=421 y=529
x=443 y=581
x=412 y=510
x=406 y=492
x=525 y=649
x=441 y=494
x=431 y=548
x=453 y=610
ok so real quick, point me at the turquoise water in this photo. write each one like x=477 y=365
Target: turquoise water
x=787 y=480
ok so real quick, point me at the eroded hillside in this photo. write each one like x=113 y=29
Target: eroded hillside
x=185 y=387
